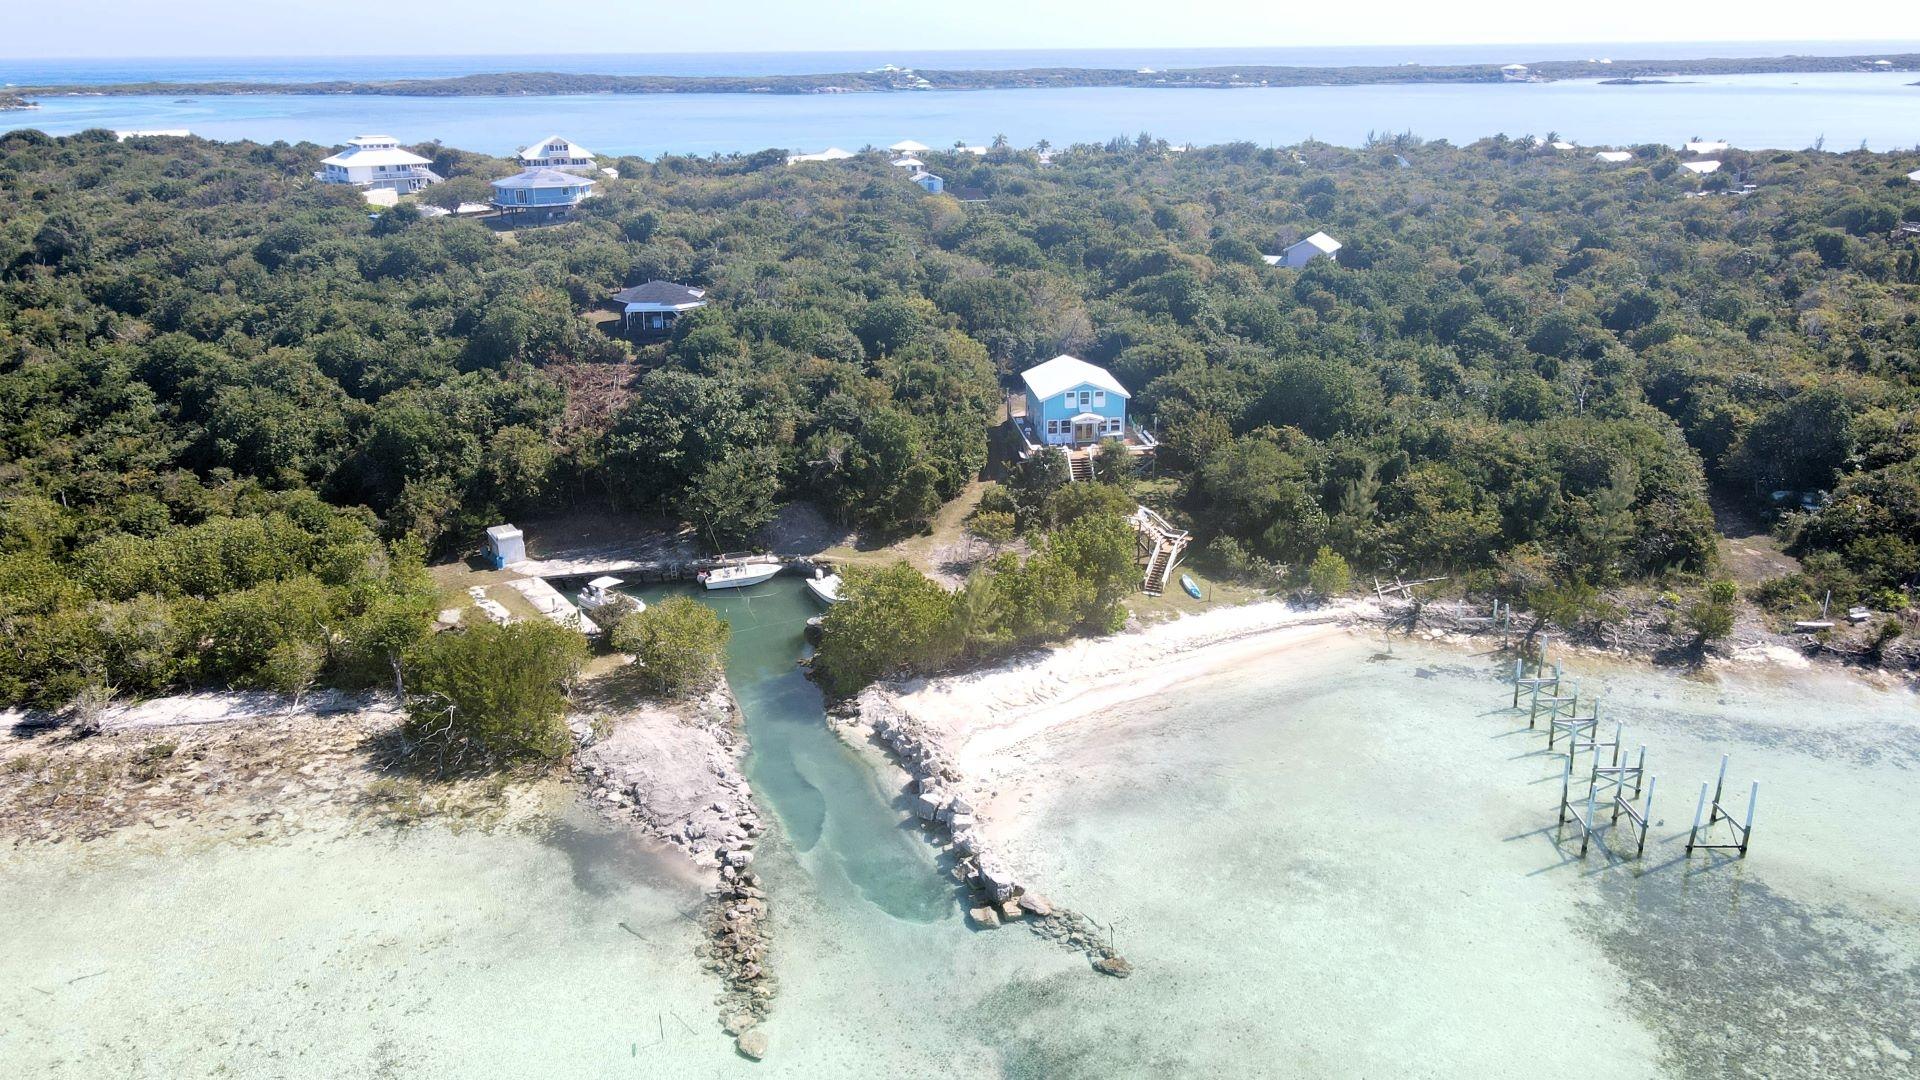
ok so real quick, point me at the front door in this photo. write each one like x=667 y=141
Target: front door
x=1084 y=433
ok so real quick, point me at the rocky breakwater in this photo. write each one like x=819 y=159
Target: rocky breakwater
x=675 y=769
x=946 y=803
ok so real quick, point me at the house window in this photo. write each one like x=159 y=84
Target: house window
x=1113 y=426
x=1070 y=399
x=1053 y=427
x=1099 y=397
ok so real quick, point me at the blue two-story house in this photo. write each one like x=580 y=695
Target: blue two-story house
x=1072 y=403
x=541 y=191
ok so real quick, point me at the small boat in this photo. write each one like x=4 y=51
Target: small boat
x=825 y=587
x=738 y=577
x=1187 y=584
x=601 y=591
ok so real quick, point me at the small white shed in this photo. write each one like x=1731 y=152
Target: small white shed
x=1317 y=246
x=505 y=546
x=1614 y=156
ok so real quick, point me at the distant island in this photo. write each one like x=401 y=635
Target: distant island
x=893 y=79
x=9 y=100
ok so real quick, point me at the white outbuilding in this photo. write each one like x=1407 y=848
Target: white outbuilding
x=1614 y=156
x=1914 y=177
x=1700 y=168
x=1317 y=246
x=505 y=546
x=907 y=147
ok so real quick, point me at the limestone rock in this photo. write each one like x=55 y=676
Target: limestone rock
x=1115 y=966
x=985 y=917
x=1036 y=904
x=752 y=1043
x=740 y=1023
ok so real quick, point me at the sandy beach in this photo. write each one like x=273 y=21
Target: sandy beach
x=992 y=722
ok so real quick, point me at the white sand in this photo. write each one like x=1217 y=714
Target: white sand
x=989 y=720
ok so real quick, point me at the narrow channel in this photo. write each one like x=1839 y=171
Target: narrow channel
x=827 y=800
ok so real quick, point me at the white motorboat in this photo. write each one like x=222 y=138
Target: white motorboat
x=825 y=587
x=602 y=591
x=739 y=577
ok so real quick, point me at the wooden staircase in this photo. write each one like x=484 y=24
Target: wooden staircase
x=1158 y=544
x=1081 y=465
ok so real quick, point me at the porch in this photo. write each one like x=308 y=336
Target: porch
x=1088 y=432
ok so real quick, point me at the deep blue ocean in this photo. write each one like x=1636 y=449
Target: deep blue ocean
x=1839 y=110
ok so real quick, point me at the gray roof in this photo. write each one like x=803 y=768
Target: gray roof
x=660 y=292
x=542 y=178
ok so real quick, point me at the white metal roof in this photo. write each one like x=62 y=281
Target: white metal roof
x=831 y=153
x=1561 y=145
x=554 y=146
x=374 y=150
x=504 y=532
x=908 y=146
x=1701 y=167
x=909 y=163
x=1063 y=373
x=1614 y=155
x=1273 y=260
x=1321 y=242
x=1914 y=176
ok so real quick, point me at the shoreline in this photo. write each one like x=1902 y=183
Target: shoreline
x=972 y=732
x=1238 y=76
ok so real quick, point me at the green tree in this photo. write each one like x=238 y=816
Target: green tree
x=733 y=497
x=889 y=618
x=1328 y=575
x=678 y=643
x=494 y=694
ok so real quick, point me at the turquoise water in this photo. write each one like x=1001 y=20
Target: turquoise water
x=1758 y=111
x=1335 y=862
x=831 y=809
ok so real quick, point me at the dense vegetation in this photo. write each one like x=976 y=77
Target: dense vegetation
x=894 y=619
x=494 y=695
x=235 y=412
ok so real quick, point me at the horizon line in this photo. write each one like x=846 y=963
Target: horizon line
x=961 y=49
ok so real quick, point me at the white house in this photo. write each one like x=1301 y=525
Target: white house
x=1700 y=168
x=831 y=153
x=376 y=161
x=554 y=152
x=1614 y=156
x=1319 y=245
x=654 y=306
x=1705 y=146
x=907 y=147
x=929 y=181
x=1561 y=145
x=1515 y=73
x=1914 y=176
x=909 y=162
x=505 y=545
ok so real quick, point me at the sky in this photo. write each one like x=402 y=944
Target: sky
x=127 y=28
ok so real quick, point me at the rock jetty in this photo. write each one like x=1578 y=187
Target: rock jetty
x=676 y=772
x=947 y=804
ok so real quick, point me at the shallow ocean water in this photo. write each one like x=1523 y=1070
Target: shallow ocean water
x=1340 y=864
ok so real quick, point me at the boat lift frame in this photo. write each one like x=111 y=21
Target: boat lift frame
x=1742 y=831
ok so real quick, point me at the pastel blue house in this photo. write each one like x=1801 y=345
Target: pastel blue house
x=1072 y=403
x=542 y=191
x=933 y=184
